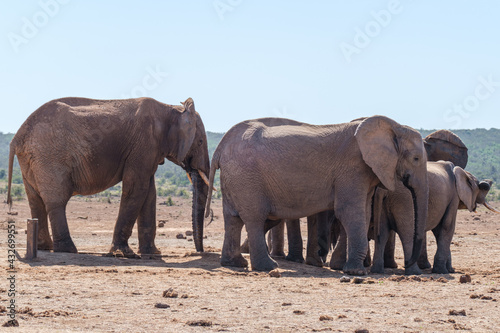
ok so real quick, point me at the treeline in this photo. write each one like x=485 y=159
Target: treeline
x=483 y=145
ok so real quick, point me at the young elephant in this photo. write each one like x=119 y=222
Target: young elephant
x=291 y=171
x=449 y=186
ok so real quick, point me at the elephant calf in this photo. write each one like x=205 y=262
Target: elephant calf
x=449 y=186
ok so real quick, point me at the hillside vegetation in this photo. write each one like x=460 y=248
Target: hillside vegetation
x=484 y=163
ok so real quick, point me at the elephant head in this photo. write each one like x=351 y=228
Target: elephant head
x=447 y=146
x=396 y=153
x=470 y=191
x=187 y=146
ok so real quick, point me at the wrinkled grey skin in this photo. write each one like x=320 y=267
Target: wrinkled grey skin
x=448 y=186
x=290 y=171
x=73 y=146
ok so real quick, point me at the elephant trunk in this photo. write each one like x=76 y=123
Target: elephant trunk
x=200 y=191
x=420 y=205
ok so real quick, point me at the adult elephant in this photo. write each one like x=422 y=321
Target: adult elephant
x=290 y=171
x=73 y=146
x=449 y=185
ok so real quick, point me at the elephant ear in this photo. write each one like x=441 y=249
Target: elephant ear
x=447 y=146
x=377 y=141
x=466 y=187
x=186 y=129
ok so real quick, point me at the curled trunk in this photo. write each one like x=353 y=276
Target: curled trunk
x=420 y=206
x=200 y=191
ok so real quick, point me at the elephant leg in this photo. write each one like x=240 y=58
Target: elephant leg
x=134 y=194
x=259 y=255
x=39 y=212
x=244 y=247
x=368 y=259
x=381 y=241
x=423 y=261
x=444 y=235
x=339 y=254
x=277 y=243
x=295 y=245
x=312 y=255
x=389 y=261
x=60 y=230
x=231 y=250
x=407 y=242
x=146 y=222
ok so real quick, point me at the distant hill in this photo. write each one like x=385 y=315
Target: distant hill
x=484 y=154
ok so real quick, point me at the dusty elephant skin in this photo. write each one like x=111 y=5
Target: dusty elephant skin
x=82 y=146
x=272 y=172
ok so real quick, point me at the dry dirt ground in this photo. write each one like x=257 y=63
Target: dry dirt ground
x=61 y=292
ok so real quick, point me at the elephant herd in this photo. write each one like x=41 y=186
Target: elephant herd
x=367 y=179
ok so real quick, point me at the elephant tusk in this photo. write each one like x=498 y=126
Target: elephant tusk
x=205 y=179
x=487 y=205
x=189 y=177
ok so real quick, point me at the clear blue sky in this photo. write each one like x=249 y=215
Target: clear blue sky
x=427 y=64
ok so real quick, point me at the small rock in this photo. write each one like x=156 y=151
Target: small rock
x=203 y=323
x=170 y=293
x=299 y=312
x=418 y=320
x=275 y=273
x=190 y=240
x=442 y=280
x=341 y=316
x=161 y=224
x=488 y=298
x=11 y=323
x=184 y=296
x=357 y=280
x=460 y=327
x=3 y=309
x=457 y=313
x=361 y=330
x=162 y=306
x=286 y=304
x=325 y=318
x=180 y=236
x=477 y=218
x=189 y=233
x=474 y=296
x=345 y=279
x=465 y=278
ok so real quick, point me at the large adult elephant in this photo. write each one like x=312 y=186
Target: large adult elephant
x=73 y=146
x=449 y=185
x=290 y=171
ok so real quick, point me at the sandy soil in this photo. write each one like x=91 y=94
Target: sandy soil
x=87 y=292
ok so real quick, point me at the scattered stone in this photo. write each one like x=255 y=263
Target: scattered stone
x=361 y=330
x=451 y=321
x=161 y=224
x=3 y=309
x=170 y=293
x=477 y=218
x=162 y=306
x=369 y=281
x=203 y=323
x=457 y=313
x=275 y=273
x=286 y=304
x=415 y=278
x=357 y=280
x=341 y=316
x=325 y=318
x=460 y=327
x=345 y=279
x=184 y=296
x=83 y=217
x=299 y=312
x=418 y=320
x=11 y=323
x=189 y=233
x=180 y=236
x=12 y=213
x=442 y=280
x=190 y=239
x=488 y=298
x=474 y=296
x=465 y=278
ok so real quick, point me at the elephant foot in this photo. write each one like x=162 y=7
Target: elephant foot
x=122 y=251
x=413 y=270
x=377 y=268
x=314 y=261
x=45 y=245
x=65 y=246
x=367 y=262
x=337 y=265
x=266 y=265
x=279 y=254
x=390 y=264
x=424 y=264
x=238 y=261
x=294 y=258
x=151 y=249
x=439 y=269
x=354 y=269
x=450 y=269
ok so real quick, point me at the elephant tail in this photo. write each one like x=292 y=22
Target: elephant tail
x=12 y=153
x=213 y=168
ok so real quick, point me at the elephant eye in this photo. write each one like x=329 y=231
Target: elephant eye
x=416 y=159
x=200 y=142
